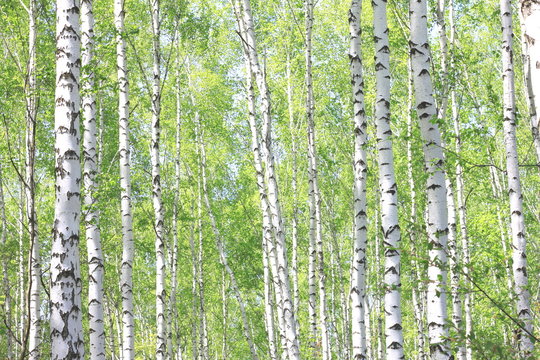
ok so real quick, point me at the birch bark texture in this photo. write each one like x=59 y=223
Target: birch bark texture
x=66 y=311
x=269 y=258
x=315 y=225
x=358 y=278
x=161 y=307
x=437 y=216
x=517 y=220
x=126 y=270
x=93 y=236
x=530 y=15
x=5 y=278
x=34 y=336
x=387 y=186
x=287 y=314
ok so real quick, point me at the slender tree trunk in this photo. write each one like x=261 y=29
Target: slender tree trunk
x=358 y=281
x=161 y=331
x=387 y=186
x=267 y=240
x=287 y=313
x=5 y=281
x=416 y=290
x=294 y=188
x=437 y=216
x=203 y=326
x=126 y=277
x=93 y=240
x=312 y=249
x=21 y=293
x=66 y=314
x=530 y=19
x=517 y=221
x=224 y=315
x=220 y=244
x=315 y=231
x=194 y=294
x=34 y=260
x=174 y=257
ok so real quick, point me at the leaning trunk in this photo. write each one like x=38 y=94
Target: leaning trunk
x=517 y=220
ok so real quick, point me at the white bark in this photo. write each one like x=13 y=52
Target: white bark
x=287 y=313
x=315 y=226
x=437 y=217
x=126 y=277
x=93 y=238
x=358 y=281
x=530 y=15
x=517 y=221
x=267 y=240
x=388 y=187
x=294 y=189
x=203 y=350
x=194 y=294
x=34 y=338
x=161 y=308
x=416 y=290
x=174 y=251
x=66 y=314
x=5 y=279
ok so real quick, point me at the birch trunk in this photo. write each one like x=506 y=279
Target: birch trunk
x=93 y=238
x=530 y=15
x=267 y=240
x=194 y=294
x=203 y=326
x=220 y=244
x=161 y=331
x=174 y=257
x=315 y=230
x=66 y=315
x=126 y=277
x=294 y=188
x=287 y=313
x=517 y=221
x=437 y=216
x=358 y=281
x=416 y=290
x=22 y=318
x=5 y=281
x=388 y=187
x=35 y=258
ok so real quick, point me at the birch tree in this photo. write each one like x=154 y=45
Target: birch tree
x=437 y=217
x=530 y=15
x=161 y=331
x=315 y=226
x=126 y=276
x=34 y=338
x=517 y=221
x=287 y=313
x=358 y=279
x=93 y=238
x=387 y=186
x=5 y=278
x=66 y=315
